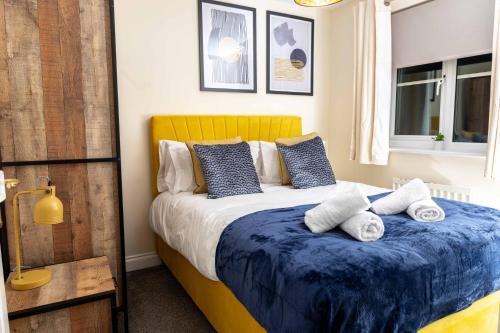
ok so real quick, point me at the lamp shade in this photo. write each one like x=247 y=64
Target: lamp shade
x=49 y=209
x=316 y=3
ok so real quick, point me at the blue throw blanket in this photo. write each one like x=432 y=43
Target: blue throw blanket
x=292 y=280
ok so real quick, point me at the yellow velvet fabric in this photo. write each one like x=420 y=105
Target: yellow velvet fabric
x=187 y=128
x=215 y=300
x=222 y=309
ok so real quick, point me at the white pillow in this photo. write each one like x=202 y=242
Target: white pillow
x=271 y=173
x=176 y=168
x=255 y=151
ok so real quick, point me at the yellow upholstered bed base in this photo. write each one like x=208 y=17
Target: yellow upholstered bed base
x=215 y=300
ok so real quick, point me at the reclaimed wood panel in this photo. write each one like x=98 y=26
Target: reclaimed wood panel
x=52 y=76
x=96 y=74
x=90 y=317
x=54 y=322
x=71 y=54
x=56 y=80
x=6 y=136
x=25 y=80
x=72 y=239
x=104 y=235
x=57 y=102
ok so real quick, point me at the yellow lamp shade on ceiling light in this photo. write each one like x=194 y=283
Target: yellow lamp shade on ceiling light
x=49 y=209
x=316 y=3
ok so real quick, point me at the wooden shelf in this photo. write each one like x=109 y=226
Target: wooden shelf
x=72 y=283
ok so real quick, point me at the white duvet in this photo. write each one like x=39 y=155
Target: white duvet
x=193 y=224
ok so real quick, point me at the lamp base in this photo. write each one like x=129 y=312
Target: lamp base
x=31 y=279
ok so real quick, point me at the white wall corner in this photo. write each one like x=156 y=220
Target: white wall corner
x=140 y=261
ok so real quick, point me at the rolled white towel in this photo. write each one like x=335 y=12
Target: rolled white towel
x=364 y=227
x=348 y=201
x=426 y=211
x=399 y=200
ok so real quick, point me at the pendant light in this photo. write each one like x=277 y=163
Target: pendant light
x=316 y=3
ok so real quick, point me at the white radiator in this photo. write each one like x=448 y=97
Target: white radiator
x=439 y=190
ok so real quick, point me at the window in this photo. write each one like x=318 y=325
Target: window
x=417 y=100
x=472 y=99
x=451 y=97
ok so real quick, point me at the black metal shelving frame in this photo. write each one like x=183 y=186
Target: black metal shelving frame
x=116 y=160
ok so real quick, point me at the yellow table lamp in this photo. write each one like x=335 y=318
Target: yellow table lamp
x=48 y=210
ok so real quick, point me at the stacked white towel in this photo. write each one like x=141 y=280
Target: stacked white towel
x=414 y=198
x=426 y=211
x=399 y=200
x=364 y=227
x=332 y=212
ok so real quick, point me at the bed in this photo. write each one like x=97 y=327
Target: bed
x=224 y=311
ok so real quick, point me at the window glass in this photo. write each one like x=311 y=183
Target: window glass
x=420 y=73
x=472 y=99
x=418 y=100
x=474 y=65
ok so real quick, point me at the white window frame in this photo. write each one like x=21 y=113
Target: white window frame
x=446 y=114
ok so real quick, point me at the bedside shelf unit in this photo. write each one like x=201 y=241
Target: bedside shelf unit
x=80 y=297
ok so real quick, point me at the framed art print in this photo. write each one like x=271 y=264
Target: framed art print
x=228 y=56
x=290 y=54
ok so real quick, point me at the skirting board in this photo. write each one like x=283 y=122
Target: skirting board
x=141 y=261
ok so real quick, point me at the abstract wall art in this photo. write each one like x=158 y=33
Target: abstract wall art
x=290 y=53
x=227 y=47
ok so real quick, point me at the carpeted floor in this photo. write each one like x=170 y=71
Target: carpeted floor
x=157 y=303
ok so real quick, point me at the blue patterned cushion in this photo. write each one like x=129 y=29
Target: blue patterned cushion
x=228 y=169
x=307 y=164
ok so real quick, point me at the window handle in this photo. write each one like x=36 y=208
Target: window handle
x=439 y=84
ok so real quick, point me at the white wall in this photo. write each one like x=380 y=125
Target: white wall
x=157 y=60
x=459 y=171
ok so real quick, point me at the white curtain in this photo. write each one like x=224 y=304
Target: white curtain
x=493 y=155
x=372 y=82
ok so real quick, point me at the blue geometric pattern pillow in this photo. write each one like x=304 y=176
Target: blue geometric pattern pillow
x=307 y=164
x=228 y=169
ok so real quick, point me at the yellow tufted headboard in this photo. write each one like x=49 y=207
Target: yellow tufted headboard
x=184 y=128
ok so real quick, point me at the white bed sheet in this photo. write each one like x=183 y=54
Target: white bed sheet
x=193 y=224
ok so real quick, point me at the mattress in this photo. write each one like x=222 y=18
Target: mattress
x=193 y=224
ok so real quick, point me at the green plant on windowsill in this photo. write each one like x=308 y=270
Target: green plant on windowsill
x=438 y=141
x=439 y=137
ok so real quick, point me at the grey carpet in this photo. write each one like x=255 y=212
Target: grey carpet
x=158 y=303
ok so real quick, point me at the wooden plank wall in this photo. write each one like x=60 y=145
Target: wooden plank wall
x=56 y=102
x=89 y=317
